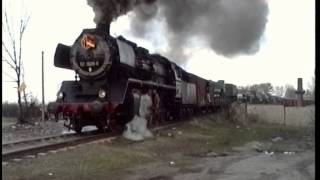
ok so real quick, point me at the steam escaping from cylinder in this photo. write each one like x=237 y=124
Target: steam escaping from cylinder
x=228 y=27
x=136 y=129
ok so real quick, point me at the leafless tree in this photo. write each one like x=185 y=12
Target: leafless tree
x=312 y=86
x=290 y=91
x=12 y=47
x=279 y=91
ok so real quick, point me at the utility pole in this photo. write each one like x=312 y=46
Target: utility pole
x=43 y=106
x=300 y=92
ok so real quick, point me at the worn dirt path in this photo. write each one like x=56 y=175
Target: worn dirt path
x=244 y=165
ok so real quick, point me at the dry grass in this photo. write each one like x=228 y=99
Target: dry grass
x=109 y=160
x=8 y=121
x=89 y=162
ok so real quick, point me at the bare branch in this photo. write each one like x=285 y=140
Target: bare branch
x=12 y=66
x=23 y=24
x=11 y=81
x=8 y=52
x=22 y=71
x=8 y=28
x=13 y=41
x=15 y=54
x=12 y=78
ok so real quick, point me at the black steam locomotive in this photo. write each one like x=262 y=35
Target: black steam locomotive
x=112 y=74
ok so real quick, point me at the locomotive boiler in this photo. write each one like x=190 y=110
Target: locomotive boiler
x=112 y=74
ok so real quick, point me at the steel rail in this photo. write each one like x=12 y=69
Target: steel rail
x=23 y=151
x=10 y=143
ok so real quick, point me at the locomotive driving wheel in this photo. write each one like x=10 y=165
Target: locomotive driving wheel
x=76 y=123
x=114 y=125
x=101 y=126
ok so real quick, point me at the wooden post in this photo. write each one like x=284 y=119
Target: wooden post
x=246 y=113
x=43 y=105
x=284 y=115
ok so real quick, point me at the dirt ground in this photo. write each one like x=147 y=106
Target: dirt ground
x=11 y=131
x=244 y=165
x=203 y=148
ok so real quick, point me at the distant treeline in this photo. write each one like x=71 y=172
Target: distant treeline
x=12 y=110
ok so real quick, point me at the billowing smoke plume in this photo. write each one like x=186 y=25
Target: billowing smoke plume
x=108 y=10
x=229 y=27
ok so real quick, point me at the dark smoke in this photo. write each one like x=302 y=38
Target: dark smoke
x=142 y=14
x=229 y=27
x=108 y=10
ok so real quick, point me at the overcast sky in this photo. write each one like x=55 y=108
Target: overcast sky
x=287 y=46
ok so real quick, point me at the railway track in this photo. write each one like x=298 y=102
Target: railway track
x=30 y=140
x=27 y=147
x=19 y=149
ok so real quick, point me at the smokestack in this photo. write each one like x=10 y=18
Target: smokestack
x=104 y=27
x=300 y=84
x=300 y=92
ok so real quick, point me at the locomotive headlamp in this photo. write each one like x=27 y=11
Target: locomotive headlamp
x=60 y=95
x=102 y=93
